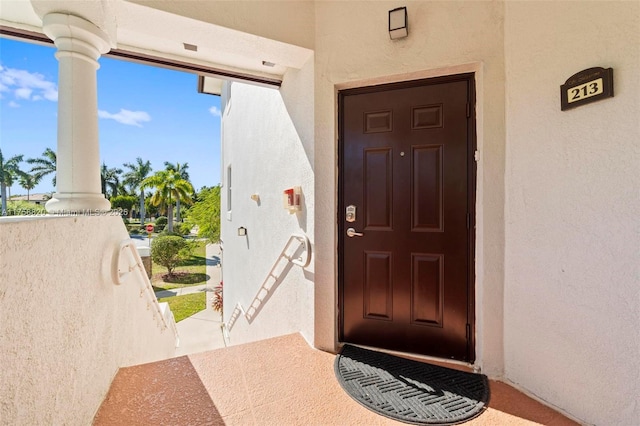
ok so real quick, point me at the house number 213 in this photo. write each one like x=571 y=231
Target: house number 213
x=584 y=91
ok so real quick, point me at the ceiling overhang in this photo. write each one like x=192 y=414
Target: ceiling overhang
x=162 y=38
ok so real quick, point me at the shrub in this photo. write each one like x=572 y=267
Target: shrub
x=218 y=299
x=161 y=223
x=167 y=233
x=169 y=251
x=24 y=208
x=124 y=202
x=206 y=214
x=135 y=228
x=184 y=228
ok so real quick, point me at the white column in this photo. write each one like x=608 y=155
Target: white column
x=80 y=43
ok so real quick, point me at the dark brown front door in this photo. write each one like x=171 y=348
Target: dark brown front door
x=406 y=168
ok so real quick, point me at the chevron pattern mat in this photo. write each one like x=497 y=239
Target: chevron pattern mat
x=410 y=391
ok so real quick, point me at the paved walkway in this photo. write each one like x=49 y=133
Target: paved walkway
x=208 y=287
x=202 y=331
x=279 y=381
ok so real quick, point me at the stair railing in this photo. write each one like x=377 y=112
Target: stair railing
x=264 y=292
x=122 y=274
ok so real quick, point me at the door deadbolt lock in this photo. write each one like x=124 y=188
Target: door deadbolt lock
x=350 y=215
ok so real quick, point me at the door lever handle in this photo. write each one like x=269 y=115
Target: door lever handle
x=352 y=233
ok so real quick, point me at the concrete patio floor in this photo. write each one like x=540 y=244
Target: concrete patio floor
x=280 y=381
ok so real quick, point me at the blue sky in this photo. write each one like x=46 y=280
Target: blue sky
x=147 y=112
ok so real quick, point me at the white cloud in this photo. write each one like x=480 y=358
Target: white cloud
x=27 y=85
x=130 y=118
x=23 y=93
x=215 y=111
x=13 y=104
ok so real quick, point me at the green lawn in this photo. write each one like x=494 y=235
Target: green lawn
x=187 y=305
x=192 y=271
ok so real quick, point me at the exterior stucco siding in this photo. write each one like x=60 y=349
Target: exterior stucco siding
x=267 y=141
x=66 y=327
x=445 y=38
x=572 y=301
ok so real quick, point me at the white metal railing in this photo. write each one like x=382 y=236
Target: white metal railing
x=268 y=284
x=120 y=275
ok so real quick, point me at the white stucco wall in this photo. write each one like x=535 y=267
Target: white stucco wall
x=65 y=327
x=353 y=49
x=268 y=141
x=572 y=294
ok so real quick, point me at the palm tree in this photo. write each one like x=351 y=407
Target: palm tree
x=29 y=182
x=122 y=189
x=8 y=169
x=170 y=186
x=182 y=171
x=138 y=172
x=110 y=178
x=45 y=165
x=10 y=179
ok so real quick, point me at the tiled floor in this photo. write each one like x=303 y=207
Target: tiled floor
x=279 y=381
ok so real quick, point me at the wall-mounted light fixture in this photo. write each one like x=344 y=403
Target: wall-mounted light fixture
x=398 y=23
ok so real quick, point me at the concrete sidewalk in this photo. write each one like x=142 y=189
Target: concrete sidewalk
x=202 y=331
x=188 y=290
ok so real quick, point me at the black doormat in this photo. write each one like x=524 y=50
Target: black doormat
x=410 y=391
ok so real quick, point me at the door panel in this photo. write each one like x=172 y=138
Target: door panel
x=405 y=283
x=378 y=190
x=378 y=290
x=427 y=289
x=426 y=194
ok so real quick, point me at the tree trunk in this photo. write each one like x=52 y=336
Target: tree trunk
x=178 y=210
x=3 y=194
x=28 y=194
x=170 y=217
x=141 y=207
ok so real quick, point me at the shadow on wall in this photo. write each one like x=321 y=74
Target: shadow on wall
x=297 y=92
x=246 y=236
x=269 y=285
x=280 y=275
x=309 y=275
x=302 y=214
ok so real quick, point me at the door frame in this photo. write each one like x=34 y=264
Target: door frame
x=471 y=193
